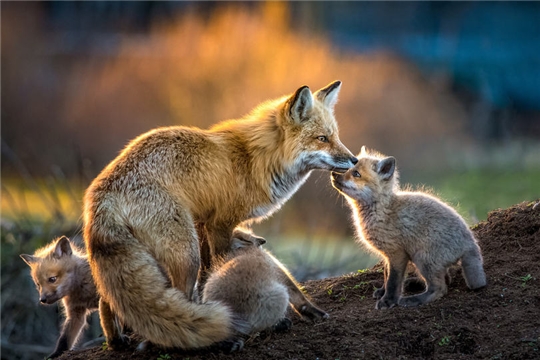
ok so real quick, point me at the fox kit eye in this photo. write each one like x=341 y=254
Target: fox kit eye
x=52 y=279
x=322 y=138
x=356 y=174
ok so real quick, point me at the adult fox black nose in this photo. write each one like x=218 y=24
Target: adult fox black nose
x=43 y=300
x=354 y=160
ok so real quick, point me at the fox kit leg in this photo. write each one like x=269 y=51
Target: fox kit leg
x=111 y=327
x=379 y=293
x=296 y=297
x=75 y=322
x=436 y=285
x=397 y=264
x=301 y=303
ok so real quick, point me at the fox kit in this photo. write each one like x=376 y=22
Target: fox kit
x=257 y=287
x=61 y=272
x=141 y=212
x=406 y=226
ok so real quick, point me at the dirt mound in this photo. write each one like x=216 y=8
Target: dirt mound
x=501 y=321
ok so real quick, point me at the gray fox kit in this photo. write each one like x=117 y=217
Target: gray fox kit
x=405 y=226
x=257 y=287
x=61 y=272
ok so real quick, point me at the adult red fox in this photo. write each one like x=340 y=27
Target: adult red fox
x=140 y=212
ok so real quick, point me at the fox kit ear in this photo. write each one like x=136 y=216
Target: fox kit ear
x=363 y=151
x=63 y=247
x=259 y=240
x=386 y=167
x=328 y=95
x=29 y=259
x=300 y=105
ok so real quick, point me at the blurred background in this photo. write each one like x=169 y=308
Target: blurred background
x=451 y=89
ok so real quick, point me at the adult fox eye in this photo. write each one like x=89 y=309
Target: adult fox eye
x=322 y=138
x=52 y=279
x=356 y=174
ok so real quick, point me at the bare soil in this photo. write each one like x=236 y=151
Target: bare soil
x=501 y=321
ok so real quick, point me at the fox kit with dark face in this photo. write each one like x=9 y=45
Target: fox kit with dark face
x=61 y=272
x=142 y=211
x=257 y=287
x=405 y=226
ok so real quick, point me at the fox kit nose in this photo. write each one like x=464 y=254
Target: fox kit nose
x=43 y=300
x=354 y=160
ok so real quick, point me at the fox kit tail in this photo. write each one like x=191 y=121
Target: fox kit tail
x=473 y=269
x=135 y=285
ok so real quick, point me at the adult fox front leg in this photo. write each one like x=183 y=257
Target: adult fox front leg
x=141 y=211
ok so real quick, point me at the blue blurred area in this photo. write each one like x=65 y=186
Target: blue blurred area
x=489 y=48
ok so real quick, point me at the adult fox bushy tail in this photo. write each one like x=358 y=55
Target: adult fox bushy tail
x=140 y=212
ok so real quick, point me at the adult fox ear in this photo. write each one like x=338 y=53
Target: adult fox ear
x=386 y=167
x=63 y=247
x=299 y=106
x=29 y=259
x=328 y=95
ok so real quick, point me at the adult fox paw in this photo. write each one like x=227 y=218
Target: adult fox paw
x=385 y=303
x=121 y=342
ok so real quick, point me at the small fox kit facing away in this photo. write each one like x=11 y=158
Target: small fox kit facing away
x=257 y=287
x=141 y=212
x=61 y=271
x=406 y=226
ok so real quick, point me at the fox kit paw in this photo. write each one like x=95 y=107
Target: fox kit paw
x=282 y=325
x=53 y=355
x=313 y=312
x=379 y=293
x=385 y=303
x=410 y=301
x=233 y=345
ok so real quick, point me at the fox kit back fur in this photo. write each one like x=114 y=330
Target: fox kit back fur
x=256 y=286
x=61 y=272
x=406 y=226
x=140 y=212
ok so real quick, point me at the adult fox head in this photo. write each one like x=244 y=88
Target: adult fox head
x=51 y=269
x=311 y=130
x=372 y=177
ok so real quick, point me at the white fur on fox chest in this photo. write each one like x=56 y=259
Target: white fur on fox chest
x=281 y=189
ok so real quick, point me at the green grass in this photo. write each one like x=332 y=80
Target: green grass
x=476 y=192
